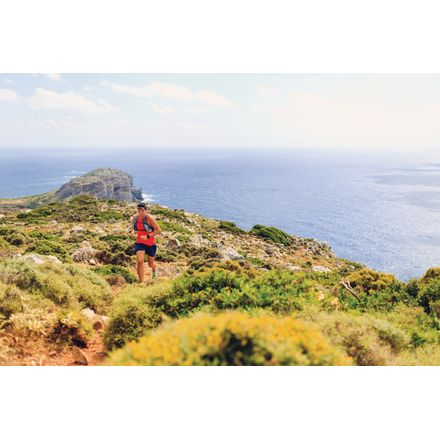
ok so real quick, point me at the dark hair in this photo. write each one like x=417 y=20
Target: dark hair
x=142 y=205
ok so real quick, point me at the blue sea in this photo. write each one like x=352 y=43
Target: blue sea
x=382 y=210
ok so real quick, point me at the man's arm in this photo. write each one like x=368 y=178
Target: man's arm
x=132 y=232
x=152 y=222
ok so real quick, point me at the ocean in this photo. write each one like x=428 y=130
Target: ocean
x=382 y=210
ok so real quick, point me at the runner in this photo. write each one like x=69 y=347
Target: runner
x=145 y=229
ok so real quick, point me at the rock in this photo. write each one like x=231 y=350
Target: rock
x=105 y=319
x=36 y=259
x=78 y=230
x=198 y=241
x=54 y=222
x=321 y=269
x=293 y=268
x=52 y=259
x=2 y=216
x=99 y=231
x=231 y=254
x=102 y=183
x=92 y=262
x=89 y=314
x=270 y=250
x=84 y=254
x=173 y=243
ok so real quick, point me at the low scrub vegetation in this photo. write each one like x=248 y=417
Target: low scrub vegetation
x=231 y=338
x=270 y=233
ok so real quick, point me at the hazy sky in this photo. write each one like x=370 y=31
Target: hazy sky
x=369 y=112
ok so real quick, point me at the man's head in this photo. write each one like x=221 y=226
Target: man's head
x=142 y=207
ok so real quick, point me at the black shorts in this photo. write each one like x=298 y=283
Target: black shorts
x=149 y=250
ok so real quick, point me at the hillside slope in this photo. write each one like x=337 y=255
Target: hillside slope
x=69 y=295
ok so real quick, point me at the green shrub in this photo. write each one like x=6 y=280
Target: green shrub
x=117 y=253
x=431 y=274
x=166 y=255
x=17 y=239
x=429 y=296
x=368 y=340
x=113 y=238
x=111 y=270
x=375 y=291
x=4 y=245
x=48 y=247
x=14 y=237
x=57 y=289
x=173 y=227
x=106 y=216
x=271 y=234
x=368 y=281
x=135 y=310
x=232 y=338
x=169 y=213
x=10 y=300
x=35 y=321
x=40 y=235
x=89 y=289
x=231 y=227
x=66 y=286
x=220 y=289
x=23 y=274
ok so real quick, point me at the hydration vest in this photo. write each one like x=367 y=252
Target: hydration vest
x=147 y=227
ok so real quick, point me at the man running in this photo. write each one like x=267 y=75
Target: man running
x=145 y=228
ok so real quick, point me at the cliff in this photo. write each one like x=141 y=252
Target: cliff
x=103 y=183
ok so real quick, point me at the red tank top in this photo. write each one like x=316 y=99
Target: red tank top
x=141 y=231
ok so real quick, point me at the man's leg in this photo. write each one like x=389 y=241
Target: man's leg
x=152 y=264
x=140 y=255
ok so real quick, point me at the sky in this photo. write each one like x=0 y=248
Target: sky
x=296 y=111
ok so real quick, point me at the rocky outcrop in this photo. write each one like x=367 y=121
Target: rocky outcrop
x=231 y=254
x=103 y=183
x=40 y=259
x=85 y=254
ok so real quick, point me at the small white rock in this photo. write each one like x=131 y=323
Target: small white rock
x=293 y=268
x=53 y=259
x=88 y=313
x=78 y=229
x=231 y=254
x=33 y=258
x=321 y=269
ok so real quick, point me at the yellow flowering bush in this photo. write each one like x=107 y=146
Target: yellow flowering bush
x=231 y=338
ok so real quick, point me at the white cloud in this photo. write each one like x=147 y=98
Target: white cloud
x=50 y=100
x=357 y=121
x=264 y=90
x=172 y=92
x=9 y=95
x=52 y=76
x=212 y=98
x=259 y=107
x=162 y=109
x=9 y=81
